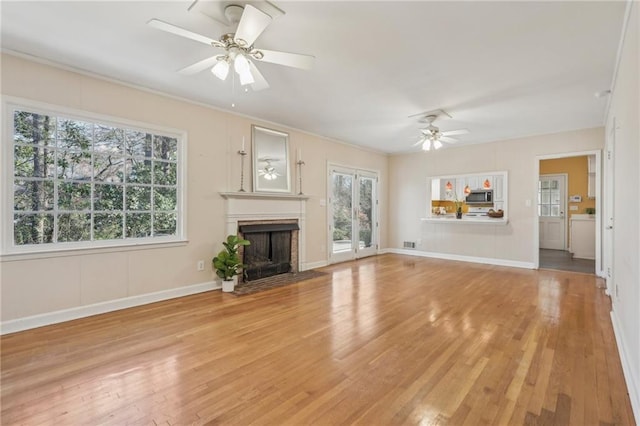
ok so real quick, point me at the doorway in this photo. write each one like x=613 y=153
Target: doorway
x=568 y=201
x=353 y=222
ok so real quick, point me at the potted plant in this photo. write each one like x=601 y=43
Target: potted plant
x=458 y=204
x=227 y=262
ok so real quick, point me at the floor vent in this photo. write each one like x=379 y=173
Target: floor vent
x=410 y=244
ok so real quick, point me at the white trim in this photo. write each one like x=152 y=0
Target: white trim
x=63 y=252
x=356 y=172
x=262 y=195
x=630 y=376
x=78 y=114
x=599 y=212
x=264 y=208
x=313 y=265
x=10 y=251
x=41 y=320
x=157 y=92
x=614 y=79
x=461 y=258
x=467 y=220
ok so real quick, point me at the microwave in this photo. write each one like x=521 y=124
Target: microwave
x=480 y=196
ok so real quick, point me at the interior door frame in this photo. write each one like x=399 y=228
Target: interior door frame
x=599 y=212
x=376 y=211
x=608 y=211
x=563 y=206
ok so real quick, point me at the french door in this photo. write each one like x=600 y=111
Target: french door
x=551 y=211
x=353 y=220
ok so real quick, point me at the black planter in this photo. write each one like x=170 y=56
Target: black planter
x=459 y=214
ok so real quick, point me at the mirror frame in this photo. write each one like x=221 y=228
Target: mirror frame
x=274 y=145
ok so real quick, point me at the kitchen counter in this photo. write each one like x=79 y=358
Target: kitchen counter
x=451 y=218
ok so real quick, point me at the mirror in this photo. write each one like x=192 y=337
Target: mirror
x=270 y=160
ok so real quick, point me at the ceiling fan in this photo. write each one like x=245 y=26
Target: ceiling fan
x=237 y=48
x=268 y=172
x=432 y=137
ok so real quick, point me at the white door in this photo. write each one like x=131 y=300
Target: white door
x=607 y=241
x=551 y=208
x=353 y=203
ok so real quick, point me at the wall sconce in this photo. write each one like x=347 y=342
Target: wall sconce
x=467 y=190
x=449 y=186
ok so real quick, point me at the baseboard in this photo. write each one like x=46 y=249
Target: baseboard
x=49 y=318
x=473 y=259
x=314 y=265
x=630 y=376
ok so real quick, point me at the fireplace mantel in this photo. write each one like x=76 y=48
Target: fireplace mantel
x=267 y=206
x=262 y=195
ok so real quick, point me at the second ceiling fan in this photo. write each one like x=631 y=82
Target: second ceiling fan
x=237 y=48
x=432 y=137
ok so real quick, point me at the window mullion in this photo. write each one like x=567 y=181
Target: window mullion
x=85 y=149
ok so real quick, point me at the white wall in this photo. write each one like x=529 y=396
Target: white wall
x=512 y=244
x=626 y=270
x=54 y=283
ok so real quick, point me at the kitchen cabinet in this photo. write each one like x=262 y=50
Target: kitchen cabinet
x=474 y=182
x=486 y=182
x=591 y=176
x=583 y=236
x=498 y=188
x=447 y=194
x=461 y=182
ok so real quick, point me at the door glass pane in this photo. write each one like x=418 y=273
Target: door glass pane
x=549 y=197
x=342 y=205
x=365 y=212
x=545 y=197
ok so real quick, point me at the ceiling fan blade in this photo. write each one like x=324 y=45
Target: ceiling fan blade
x=252 y=23
x=260 y=83
x=455 y=132
x=173 y=29
x=199 y=66
x=448 y=139
x=295 y=60
x=420 y=141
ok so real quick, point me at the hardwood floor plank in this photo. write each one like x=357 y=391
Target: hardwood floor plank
x=384 y=340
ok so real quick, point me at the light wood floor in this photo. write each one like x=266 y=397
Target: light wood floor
x=385 y=340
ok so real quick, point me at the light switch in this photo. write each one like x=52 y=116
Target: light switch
x=527 y=203
x=323 y=202
x=574 y=208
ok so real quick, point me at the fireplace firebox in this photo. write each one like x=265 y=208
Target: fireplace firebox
x=272 y=250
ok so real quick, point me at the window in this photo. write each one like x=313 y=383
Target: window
x=84 y=183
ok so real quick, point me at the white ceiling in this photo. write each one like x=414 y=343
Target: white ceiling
x=501 y=69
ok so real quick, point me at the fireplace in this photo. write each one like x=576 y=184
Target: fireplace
x=273 y=249
x=253 y=208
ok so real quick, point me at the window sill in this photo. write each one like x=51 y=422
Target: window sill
x=81 y=251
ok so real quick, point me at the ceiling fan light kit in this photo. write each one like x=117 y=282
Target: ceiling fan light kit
x=432 y=137
x=221 y=68
x=238 y=47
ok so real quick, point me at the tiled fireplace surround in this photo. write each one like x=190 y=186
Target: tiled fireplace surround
x=259 y=208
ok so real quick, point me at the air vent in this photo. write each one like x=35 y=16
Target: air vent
x=410 y=244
